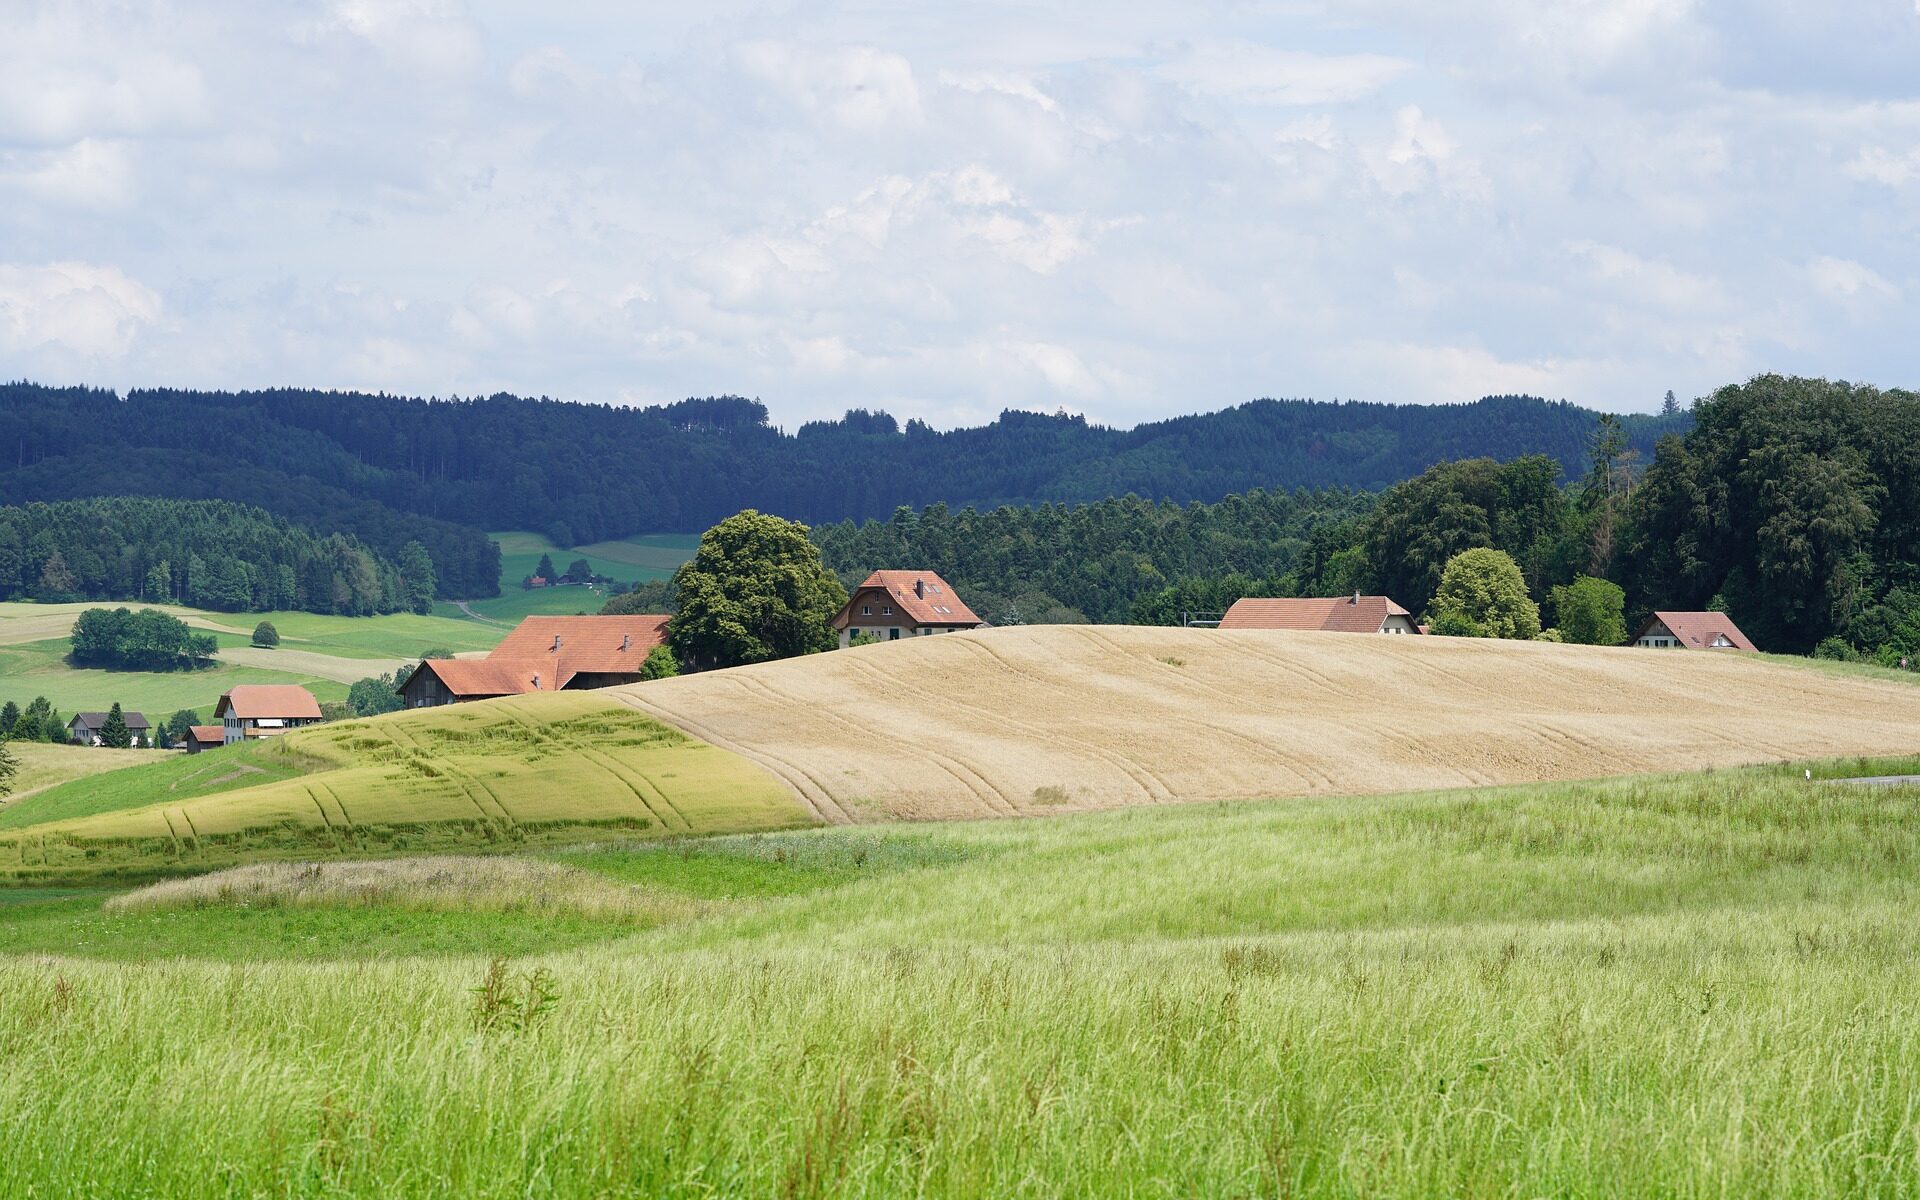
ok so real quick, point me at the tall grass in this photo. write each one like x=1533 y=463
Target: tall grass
x=1675 y=986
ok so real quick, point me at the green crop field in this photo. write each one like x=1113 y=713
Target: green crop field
x=43 y=765
x=644 y=557
x=528 y=770
x=1684 y=985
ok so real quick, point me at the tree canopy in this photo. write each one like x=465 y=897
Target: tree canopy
x=1484 y=586
x=754 y=590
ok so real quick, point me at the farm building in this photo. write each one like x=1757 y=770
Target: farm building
x=1692 y=631
x=894 y=604
x=84 y=729
x=257 y=710
x=204 y=737
x=542 y=654
x=1337 y=614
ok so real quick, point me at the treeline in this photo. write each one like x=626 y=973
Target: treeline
x=581 y=472
x=1056 y=563
x=1792 y=504
x=206 y=553
x=148 y=640
x=70 y=443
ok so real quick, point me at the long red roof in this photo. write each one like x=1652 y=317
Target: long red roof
x=543 y=654
x=1697 y=630
x=1337 y=614
x=268 y=700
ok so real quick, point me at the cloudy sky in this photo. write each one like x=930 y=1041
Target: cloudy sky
x=1126 y=209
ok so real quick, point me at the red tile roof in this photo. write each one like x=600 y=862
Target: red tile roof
x=1697 y=630
x=283 y=700
x=921 y=595
x=207 y=733
x=1338 y=614
x=481 y=677
x=558 y=648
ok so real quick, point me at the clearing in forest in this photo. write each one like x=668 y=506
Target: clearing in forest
x=1053 y=718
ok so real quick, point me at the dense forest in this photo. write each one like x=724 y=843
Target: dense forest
x=389 y=469
x=208 y=553
x=1793 y=504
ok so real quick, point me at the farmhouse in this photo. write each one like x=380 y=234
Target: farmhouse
x=84 y=729
x=1338 y=614
x=204 y=737
x=542 y=654
x=1692 y=631
x=896 y=604
x=257 y=710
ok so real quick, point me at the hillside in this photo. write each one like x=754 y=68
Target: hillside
x=1050 y=718
x=582 y=472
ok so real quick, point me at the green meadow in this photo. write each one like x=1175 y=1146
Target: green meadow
x=643 y=557
x=1677 y=985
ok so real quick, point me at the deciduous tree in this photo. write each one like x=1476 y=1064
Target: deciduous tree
x=1485 y=587
x=754 y=590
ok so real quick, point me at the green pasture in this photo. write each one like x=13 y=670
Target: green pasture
x=41 y=669
x=519 y=772
x=644 y=556
x=1681 y=985
x=43 y=765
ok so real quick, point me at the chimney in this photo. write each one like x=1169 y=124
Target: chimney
x=920 y=588
x=626 y=641
x=556 y=643
x=536 y=681
x=1355 y=600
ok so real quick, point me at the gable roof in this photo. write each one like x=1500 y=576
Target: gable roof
x=932 y=603
x=481 y=677
x=568 y=646
x=253 y=700
x=94 y=720
x=1335 y=614
x=1696 y=630
x=207 y=733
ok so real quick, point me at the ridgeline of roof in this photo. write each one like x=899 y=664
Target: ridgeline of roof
x=256 y=700
x=1696 y=630
x=938 y=606
x=1335 y=614
x=94 y=720
x=491 y=676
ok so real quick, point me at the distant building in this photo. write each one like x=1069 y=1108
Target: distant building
x=1692 y=631
x=204 y=737
x=1337 y=614
x=542 y=654
x=84 y=729
x=257 y=710
x=894 y=604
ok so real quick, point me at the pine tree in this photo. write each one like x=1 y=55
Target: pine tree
x=159 y=584
x=9 y=717
x=56 y=578
x=545 y=569
x=1670 y=407
x=416 y=572
x=114 y=733
x=9 y=765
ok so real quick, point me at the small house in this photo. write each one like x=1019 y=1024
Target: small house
x=257 y=710
x=1338 y=614
x=84 y=729
x=1692 y=631
x=203 y=737
x=894 y=604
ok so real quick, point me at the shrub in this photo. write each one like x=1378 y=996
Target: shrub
x=1486 y=587
x=1835 y=648
x=1591 y=612
x=660 y=664
x=1452 y=623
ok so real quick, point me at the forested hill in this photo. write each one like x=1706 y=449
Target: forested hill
x=582 y=472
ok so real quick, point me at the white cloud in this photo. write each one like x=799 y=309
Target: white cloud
x=1647 y=281
x=82 y=70
x=433 y=36
x=859 y=88
x=1260 y=74
x=1844 y=279
x=1876 y=164
x=93 y=311
x=91 y=173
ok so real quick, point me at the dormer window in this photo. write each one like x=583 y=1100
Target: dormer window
x=886 y=610
x=866 y=610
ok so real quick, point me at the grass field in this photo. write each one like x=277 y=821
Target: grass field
x=1056 y=718
x=647 y=556
x=1676 y=985
x=44 y=765
x=524 y=771
x=321 y=653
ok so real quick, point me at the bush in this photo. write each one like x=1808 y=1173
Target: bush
x=1591 y=612
x=1486 y=587
x=660 y=664
x=1452 y=623
x=1836 y=649
x=1549 y=635
x=264 y=634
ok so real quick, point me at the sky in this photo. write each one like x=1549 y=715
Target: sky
x=946 y=209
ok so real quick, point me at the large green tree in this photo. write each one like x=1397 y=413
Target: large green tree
x=1590 y=611
x=1485 y=586
x=114 y=734
x=754 y=590
x=417 y=576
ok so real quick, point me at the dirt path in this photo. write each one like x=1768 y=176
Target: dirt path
x=462 y=606
x=1057 y=718
x=310 y=662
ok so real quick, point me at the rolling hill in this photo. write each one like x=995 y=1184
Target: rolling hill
x=1052 y=718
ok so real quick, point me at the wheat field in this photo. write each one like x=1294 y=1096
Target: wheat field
x=1059 y=718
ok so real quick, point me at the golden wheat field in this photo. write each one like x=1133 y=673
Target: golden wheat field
x=1053 y=718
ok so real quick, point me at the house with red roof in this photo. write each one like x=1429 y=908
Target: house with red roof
x=1337 y=614
x=1693 y=631
x=542 y=654
x=257 y=710
x=891 y=605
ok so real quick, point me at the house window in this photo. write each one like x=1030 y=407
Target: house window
x=887 y=611
x=866 y=610
x=893 y=635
